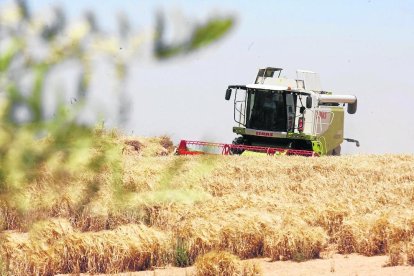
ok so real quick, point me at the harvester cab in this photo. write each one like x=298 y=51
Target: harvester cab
x=277 y=115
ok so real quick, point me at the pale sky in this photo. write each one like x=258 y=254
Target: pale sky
x=365 y=48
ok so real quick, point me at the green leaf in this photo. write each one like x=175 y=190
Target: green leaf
x=210 y=32
x=8 y=55
x=202 y=35
x=35 y=99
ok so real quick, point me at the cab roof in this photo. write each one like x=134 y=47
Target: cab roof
x=275 y=88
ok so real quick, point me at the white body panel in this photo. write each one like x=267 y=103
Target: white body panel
x=278 y=82
x=273 y=134
x=318 y=118
x=322 y=119
x=311 y=80
x=266 y=87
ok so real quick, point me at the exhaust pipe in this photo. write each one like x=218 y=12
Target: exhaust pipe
x=351 y=100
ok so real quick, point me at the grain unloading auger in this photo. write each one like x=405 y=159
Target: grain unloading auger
x=280 y=116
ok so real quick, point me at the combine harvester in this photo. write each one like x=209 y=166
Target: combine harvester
x=280 y=116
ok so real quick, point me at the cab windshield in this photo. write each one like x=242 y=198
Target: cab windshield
x=266 y=110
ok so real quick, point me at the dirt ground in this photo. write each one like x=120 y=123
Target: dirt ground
x=349 y=265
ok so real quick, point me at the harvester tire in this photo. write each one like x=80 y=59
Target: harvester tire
x=238 y=141
x=336 y=151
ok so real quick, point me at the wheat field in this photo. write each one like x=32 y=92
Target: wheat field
x=179 y=209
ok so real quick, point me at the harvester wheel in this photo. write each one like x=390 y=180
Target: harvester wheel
x=238 y=141
x=336 y=151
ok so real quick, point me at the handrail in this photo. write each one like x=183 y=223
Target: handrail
x=242 y=106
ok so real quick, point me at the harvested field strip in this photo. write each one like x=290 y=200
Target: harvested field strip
x=176 y=209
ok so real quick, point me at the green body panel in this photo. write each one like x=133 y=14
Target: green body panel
x=317 y=147
x=239 y=130
x=334 y=135
x=301 y=136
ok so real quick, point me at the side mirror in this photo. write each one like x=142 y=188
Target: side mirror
x=309 y=102
x=228 y=94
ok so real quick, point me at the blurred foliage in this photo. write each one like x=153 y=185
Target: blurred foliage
x=201 y=35
x=31 y=48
